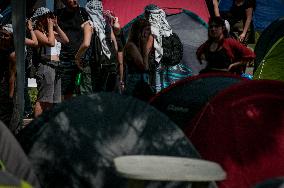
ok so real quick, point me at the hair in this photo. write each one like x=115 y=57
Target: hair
x=136 y=30
x=39 y=22
x=219 y=21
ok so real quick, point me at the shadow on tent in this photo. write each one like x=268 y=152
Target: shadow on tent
x=74 y=144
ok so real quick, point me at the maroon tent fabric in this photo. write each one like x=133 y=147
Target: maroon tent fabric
x=242 y=128
x=127 y=10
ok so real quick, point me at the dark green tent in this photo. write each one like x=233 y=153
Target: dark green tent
x=269 y=52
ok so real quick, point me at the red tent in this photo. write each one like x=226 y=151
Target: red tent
x=127 y=10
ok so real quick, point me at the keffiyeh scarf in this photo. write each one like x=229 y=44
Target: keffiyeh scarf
x=95 y=10
x=159 y=28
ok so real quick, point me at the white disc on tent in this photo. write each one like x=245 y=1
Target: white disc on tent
x=165 y=168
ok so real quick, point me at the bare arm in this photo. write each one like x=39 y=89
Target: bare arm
x=120 y=61
x=60 y=34
x=216 y=7
x=134 y=55
x=48 y=40
x=247 y=23
x=114 y=40
x=85 y=44
x=12 y=74
x=147 y=47
x=33 y=42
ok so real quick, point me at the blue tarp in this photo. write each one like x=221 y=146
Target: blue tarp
x=266 y=11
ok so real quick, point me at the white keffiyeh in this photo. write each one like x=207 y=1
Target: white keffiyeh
x=95 y=10
x=40 y=12
x=159 y=28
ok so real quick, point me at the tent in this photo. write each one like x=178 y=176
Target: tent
x=266 y=11
x=242 y=129
x=74 y=144
x=184 y=99
x=269 y=62
x=13 y=160
x=127 y=10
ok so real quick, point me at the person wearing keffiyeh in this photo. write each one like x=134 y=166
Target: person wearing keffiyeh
x=113 y=21
x=159 y=28
x=97 y=27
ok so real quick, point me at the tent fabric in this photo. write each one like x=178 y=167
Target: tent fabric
x=267 y=39
x=272 y=66
x=7 y=180
x=130 y=9
x=74 y=144
x=266 y=11
x=271 y=183
x=242 y=129
x=13 y=157
x=184 y=99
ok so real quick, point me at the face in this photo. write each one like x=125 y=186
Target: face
x=71 y=3
x=215 y=31
x=146 y=32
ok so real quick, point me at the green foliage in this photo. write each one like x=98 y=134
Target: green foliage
x=33 y=95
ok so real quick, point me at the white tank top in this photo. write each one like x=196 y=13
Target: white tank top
x=55 y=50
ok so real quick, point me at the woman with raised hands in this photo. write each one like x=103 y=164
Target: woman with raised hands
x=50 y=36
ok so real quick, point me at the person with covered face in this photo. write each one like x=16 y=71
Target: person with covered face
x=223 y=54
x=97 y=77
x=112 y=20
x=70 y=19
x=50 y=37
x=159 y=28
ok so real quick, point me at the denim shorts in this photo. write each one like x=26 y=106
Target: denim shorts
x=48 y=82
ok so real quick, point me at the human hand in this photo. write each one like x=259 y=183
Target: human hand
x=236 y=67
x=50 y=22
x=121 y=87
x=242 y=37
x=55 y=22
x=30 y=25
x=79 y=63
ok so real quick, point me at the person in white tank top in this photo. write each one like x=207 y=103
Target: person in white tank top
x=50 y=36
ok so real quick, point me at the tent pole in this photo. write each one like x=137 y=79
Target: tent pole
x=19 y=27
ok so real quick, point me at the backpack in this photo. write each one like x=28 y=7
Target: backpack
x=172 y=50
x=99 y=60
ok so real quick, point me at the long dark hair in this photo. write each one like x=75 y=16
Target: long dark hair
x=135 y=34
x=39 y=22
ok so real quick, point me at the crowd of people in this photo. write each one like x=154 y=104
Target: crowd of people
x=80 y=50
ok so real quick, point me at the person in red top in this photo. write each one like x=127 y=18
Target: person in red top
x=222 y=53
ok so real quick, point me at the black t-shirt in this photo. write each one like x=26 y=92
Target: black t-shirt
x=218 y=59
x=70 y=23
x=239 y=12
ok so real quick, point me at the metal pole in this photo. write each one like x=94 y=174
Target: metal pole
x=19 y=27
